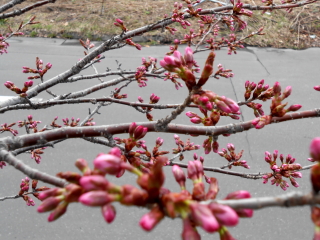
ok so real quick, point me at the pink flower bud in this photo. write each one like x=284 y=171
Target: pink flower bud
x=196 y=120
x=94 y=182
x=96 y=198
x=140 y=132
x=287 y=92
x=48 y=66
x=224 y=214
x=151 y=219
x=115 y=152
x=294 y=107
x=238 y=195
x=49 y=204
x=223 y=107
x=179 y=175
x=315 y=149
x=189 y=231
x=277 y=88
x=188 y=57
x=203 y=217
x=108 y=212
x=107 y=163
x=132 y=126
x=58 y=211
x=317 y=88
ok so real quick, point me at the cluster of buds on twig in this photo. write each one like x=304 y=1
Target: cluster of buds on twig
x=131 y=43
x=14 y=88
x=119 y=23
x=116 y=94
x=232 y=157
x=171 y=30
x=226 y=73
x=30 y=124
x=3 y=44
x=8 y=128
x=152 y=156
x=54 y=124
x=24 y=190
x=183 y=67
x=239 y=11
x=233 y=44
x=210 y=144
x=212 y=217
x=288 y=169
x=277 y=108
x=173 y=78
x=174 y=48
x=40 y=70
x=150 y=64
x=183 y=146
x=153 y=100
x=209 y=100
x=74 y=122
x=178 y=15
x=36 y=154
x=93 y=189
x=258 y=91
x=139 y=76
x=87 y=44
x=189 y=37
x=135 y=134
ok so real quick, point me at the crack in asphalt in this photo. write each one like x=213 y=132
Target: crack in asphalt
x=258 y=59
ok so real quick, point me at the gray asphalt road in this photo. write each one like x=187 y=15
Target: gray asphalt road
x=299 y=69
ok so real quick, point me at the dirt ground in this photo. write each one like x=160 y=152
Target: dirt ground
x=94 y=19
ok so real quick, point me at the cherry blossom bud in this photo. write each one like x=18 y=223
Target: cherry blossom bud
x=238 y=195
x=287 y=92
x=203 y=217
x=317 y=88
x=294 y=107
x=107 y=163
x=50 y=193
x=179 y=176
x=48 y=66
x=96 y=198
x=58 y=211
x=140 y=132
x=188 y=57
x=196 y=120
x=49 y=204
x=94 y=182
x=315 y=149
x=277 y=88
x=108 y=213
x=224 y=214
x=189 y=232
x=151 y=219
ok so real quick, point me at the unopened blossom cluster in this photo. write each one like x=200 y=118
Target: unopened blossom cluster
x=8 y=128
x=288 y=169
x=22 y=92
x=277 y=107
x=24 y=190
x=183 y=146
x=92 y=188
x=3 y=45
x=36 y=154
x=40 y=71
x=232 y=157
x=29 y=123
x=153 y=100
x=226 y=73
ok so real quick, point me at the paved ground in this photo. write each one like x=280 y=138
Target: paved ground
x=300 y=69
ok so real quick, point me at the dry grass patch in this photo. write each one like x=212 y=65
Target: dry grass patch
x=94 y=19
